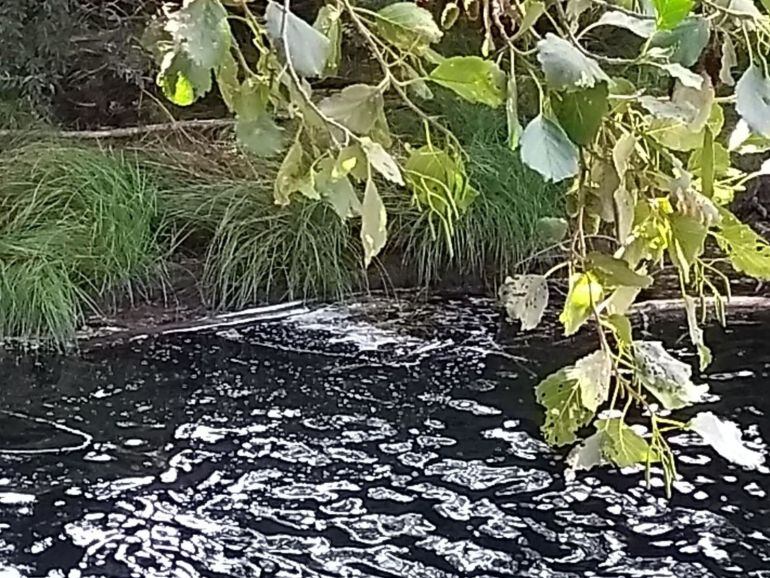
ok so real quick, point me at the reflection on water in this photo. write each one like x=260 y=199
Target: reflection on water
x=322 y=445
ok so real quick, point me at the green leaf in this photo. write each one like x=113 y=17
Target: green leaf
x=726 y=438
x=356 y=106
x=584 y=294
x=473 y=78
x=564 y=411
x=374 y=221
x=669 y=13
x=351 y=161
x=547 y=149
x=688 y=236
x=593 y=373
x=753 y=100
x=551 y=229
x=382 y=161
x=625 y=202
x=708 y=164
x=293 y=176
x=581 y=112
x=621 y=300
x=639 y=25
x=565 y=67
x=408 y=27
x=512 y=108
x=623 y=446
x=686 y=41
x=621 y=326
x=665 y=377
x=200 y=30
x=616 y=272
x=337 y=190
x=260 y=136
x=696 y=333
x=438 y=180
x=682 y=137
x=227 y=80
x=306 y=48
x=525 y=298
x=328 y=23
x=748 y=252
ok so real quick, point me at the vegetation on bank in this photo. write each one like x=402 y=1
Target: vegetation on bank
x=84 y=228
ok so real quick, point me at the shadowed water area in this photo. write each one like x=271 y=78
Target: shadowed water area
x=372 y=440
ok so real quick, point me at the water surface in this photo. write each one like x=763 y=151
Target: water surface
x=325 y=444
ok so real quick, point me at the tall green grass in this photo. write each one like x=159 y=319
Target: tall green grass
x=256 y=251
x=76 y=225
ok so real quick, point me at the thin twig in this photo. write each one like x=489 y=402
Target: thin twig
x=122 y=132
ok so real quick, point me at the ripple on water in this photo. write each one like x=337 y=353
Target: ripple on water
x=329 y=445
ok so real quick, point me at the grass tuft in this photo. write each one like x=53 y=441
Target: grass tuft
x=74 y=223
x=255 y=251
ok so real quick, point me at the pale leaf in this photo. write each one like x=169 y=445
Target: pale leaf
x=726 y=439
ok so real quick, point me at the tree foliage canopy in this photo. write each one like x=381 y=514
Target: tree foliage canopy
x=637 y=134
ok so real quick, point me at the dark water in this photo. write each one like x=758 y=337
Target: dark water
x=321 y=445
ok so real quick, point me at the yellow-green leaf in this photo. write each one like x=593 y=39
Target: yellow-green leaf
x=584 y=294
x=616 y=272
x=748 y=252
x=374 y=221
x=564 y=411
x=473 y=78
x=623 y=446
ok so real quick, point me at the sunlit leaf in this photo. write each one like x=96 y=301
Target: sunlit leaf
x=665 y=377
x=382 y=161
x=533 y=10
x=587 y=455
x=639 y=25
x=584 y=294
x=356 y=106
x=473 y=78
x=307 y=48
x=669 y=13
x=564 y=411
x=593 y=373
x=622 y=446
x=684 y=75
x=449 y=15
x=408 y=26
x=625 y=201
x=726 y=438
x=621 y=300
x=352 y=161
x=525 y=298
x=753 y=100
x=616 y=272
x=696 y=333
x=547 y=149
x=581 y=112
x=748 y=252
x=566 y=67
x=729 y=61
x=374 y=220
x=182 y=81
